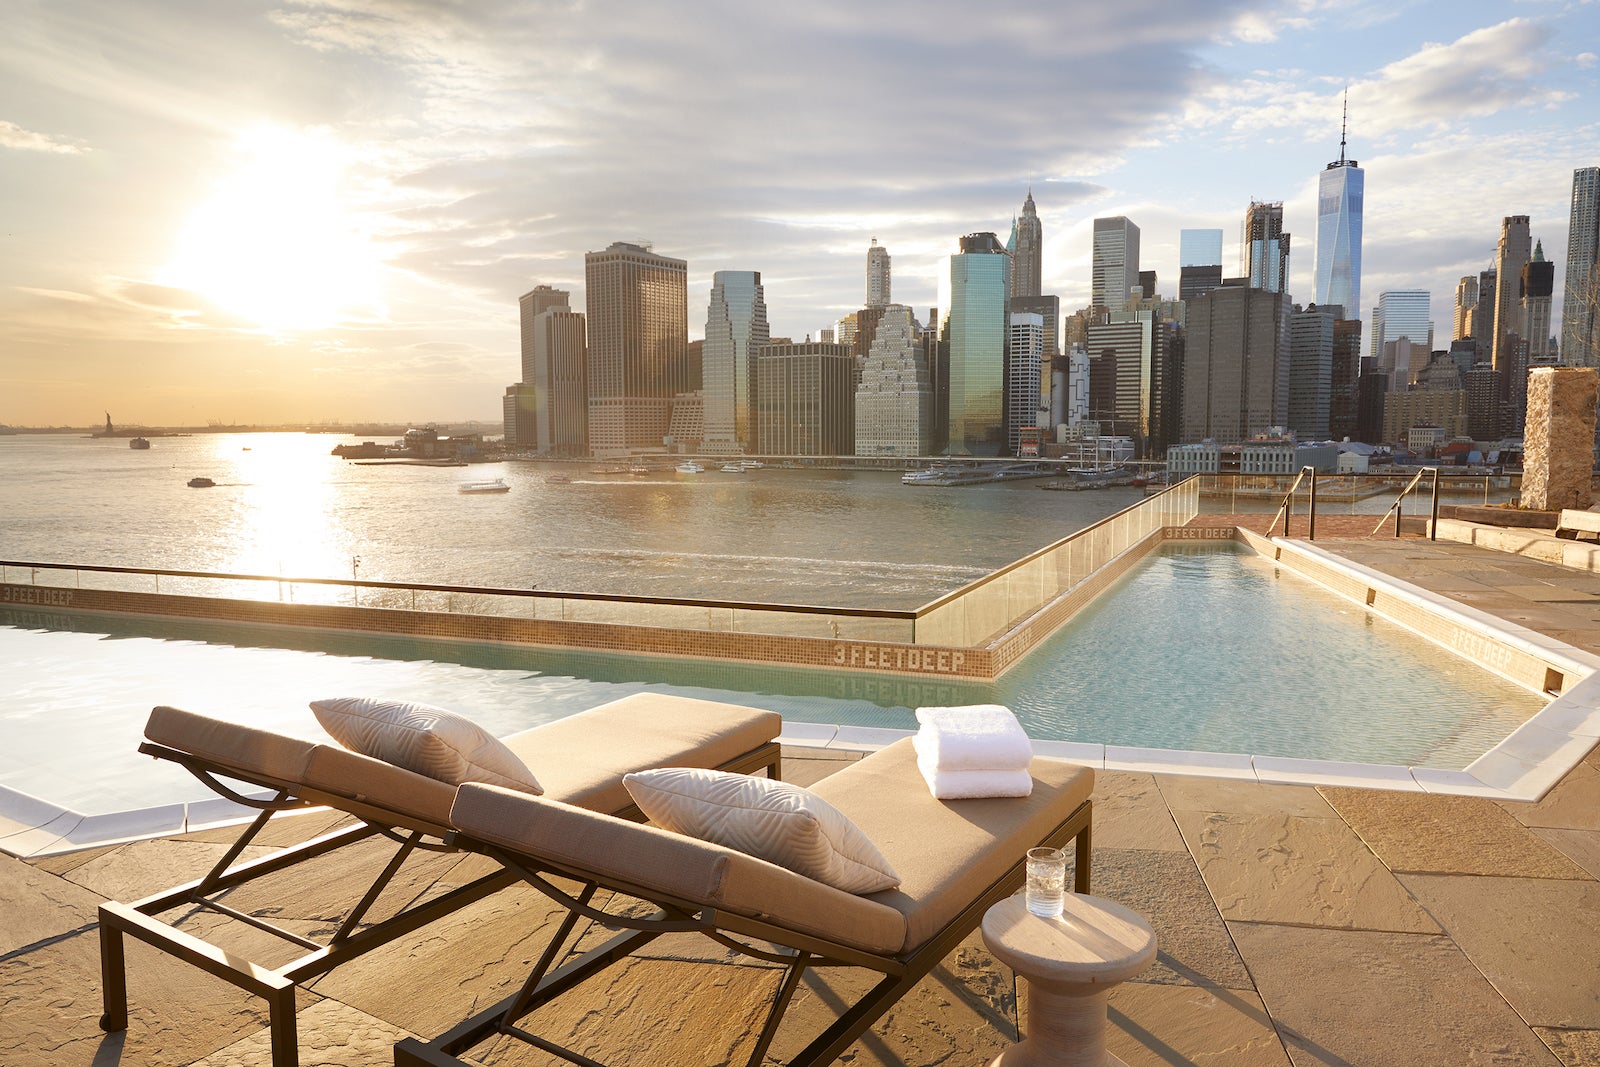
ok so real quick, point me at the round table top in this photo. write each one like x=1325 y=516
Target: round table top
x=1093 y=940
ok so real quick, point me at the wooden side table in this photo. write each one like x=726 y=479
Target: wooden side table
x=1070 y=964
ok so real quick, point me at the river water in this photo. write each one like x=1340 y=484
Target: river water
x=283 y=505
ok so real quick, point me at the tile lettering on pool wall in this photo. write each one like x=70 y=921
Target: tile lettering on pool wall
x=27 y=594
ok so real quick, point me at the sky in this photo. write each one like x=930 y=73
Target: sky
x=324 y=210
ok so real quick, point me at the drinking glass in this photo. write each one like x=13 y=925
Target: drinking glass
x=1047 y=877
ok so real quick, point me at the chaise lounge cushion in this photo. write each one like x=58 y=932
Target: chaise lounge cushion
x=777 y=821
x=428 y=740
x=231 y=744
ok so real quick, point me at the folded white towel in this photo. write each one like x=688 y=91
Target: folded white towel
x=980 y=737
x=966 y=785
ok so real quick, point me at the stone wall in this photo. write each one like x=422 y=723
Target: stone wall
x=1558 y=442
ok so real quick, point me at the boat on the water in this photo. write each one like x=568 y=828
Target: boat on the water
x=138 y=442
x=734 y=468
x=689 y=466
x=751 y=464
x=557 y=479
x=201 y=483
x=488 y=485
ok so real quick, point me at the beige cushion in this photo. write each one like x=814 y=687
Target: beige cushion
x=430 y=741
x=247 y=748
x=776 y=821
x=647 y=861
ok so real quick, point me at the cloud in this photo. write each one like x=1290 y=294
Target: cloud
x=15 y=137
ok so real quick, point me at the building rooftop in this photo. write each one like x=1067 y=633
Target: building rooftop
x=1296 y=926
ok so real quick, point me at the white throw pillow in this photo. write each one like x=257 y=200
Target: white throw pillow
x=771 y=820
x=424 y=739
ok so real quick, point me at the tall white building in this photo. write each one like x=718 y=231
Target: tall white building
x=1340 y=194
x=1024 y=359
x=736 y=326
x=1114 y=265
x=1580 y=304
x=877 y=275
x=894 y=401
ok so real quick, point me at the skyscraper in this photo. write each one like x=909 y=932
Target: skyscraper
x=1024 y=363
x=877 y=275
x=736 y=325
x=530 y=306
x=1514 y=250
x=1401 y=331
x=1580 y=303
x=1199 y=262
x=560 y=382
x=1311 y=346
x=894 y=400
x=1466 y=300
x=1114 y=269
x=1339 y=202
x=638 y=339
x=1538 y=285
x=974 y=289
x=1236 y=364
x=1264 y=247
x=1027 y=263
x=805 y=400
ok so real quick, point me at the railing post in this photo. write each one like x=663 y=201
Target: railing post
x=1311 y=526
x=1433 y=519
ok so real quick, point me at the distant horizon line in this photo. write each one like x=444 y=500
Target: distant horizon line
x=134 y=429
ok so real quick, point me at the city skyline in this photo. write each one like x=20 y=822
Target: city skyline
x=317 y=209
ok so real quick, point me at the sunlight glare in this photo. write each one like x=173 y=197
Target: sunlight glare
x=275 y=243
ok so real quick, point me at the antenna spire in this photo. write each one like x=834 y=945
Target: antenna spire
x=1344 y=122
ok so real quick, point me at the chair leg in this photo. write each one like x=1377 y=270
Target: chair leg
x=285 y=1039
x=113 y=978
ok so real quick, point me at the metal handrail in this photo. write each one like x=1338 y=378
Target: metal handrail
x=1399 y=501
x=1286 y=509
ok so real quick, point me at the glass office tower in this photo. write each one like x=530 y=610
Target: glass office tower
x=1339 y=198
x=975 y=290
x=736 y=326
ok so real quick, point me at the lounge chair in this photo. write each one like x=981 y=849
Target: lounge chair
x=955 y=860
x=579 y=760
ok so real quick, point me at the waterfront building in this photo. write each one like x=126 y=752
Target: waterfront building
x=1344 y=377
x=1264 y=247
x=1024 y=360
x=877 y=275
x=973 y=290
x=1048 y=308
x=805 y=399
x=1404 y=410
x=1580 y=304
x=1075 y=408
x=560 y=380
x=1341 y=191
x=1466 y=300
x=1027 y=260
x=1199 y=262
x=894 y=400
x=638 y=338
x=1538 y=286
x=736 y=327
x=1274 y=457
x=1513 y=251
x=1134 y=379
x=1114 y=265
x=530 y=306
x=1401 y=314
x=517 y=412
x=1236 y=364
x=1311 y=371
x=686 y=429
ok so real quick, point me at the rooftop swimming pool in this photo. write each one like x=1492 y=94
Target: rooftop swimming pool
x=1198 y=648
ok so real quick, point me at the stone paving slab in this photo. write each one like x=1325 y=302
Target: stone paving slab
x=1505 y=924
x=330 y=1035
x=1184 y=793
x=1580 y=846
x=1574 y=1048
x=142 y=868
x=36 y=906
x=1160 y=1025
x=1284 y=869
x=1574 y=803
x=1342 y=998
x=1192 y=943
x=1130 y=812
x=1456 y=835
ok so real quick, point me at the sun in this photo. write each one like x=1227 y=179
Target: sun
x=276 y=243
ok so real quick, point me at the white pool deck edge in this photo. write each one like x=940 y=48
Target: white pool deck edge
x=1522 y=767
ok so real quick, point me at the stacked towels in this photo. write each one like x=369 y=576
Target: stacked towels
x=975 y=751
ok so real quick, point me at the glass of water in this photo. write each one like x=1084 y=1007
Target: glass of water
x=1047 y=878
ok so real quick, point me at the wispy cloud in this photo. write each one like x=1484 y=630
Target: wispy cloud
x=15 y=137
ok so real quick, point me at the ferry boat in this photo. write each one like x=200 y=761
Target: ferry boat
x=138 y=442
x=491 y=485
x=557 y=479
x=734 y=468
x=751 y=464
x=689 y=466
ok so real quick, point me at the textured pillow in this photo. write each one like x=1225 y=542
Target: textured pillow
x=771 y=820
x=424 y=739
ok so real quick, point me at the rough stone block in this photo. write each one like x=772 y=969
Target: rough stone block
x=1558 y=438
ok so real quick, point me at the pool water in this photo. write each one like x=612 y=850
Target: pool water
x=1200 y=648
